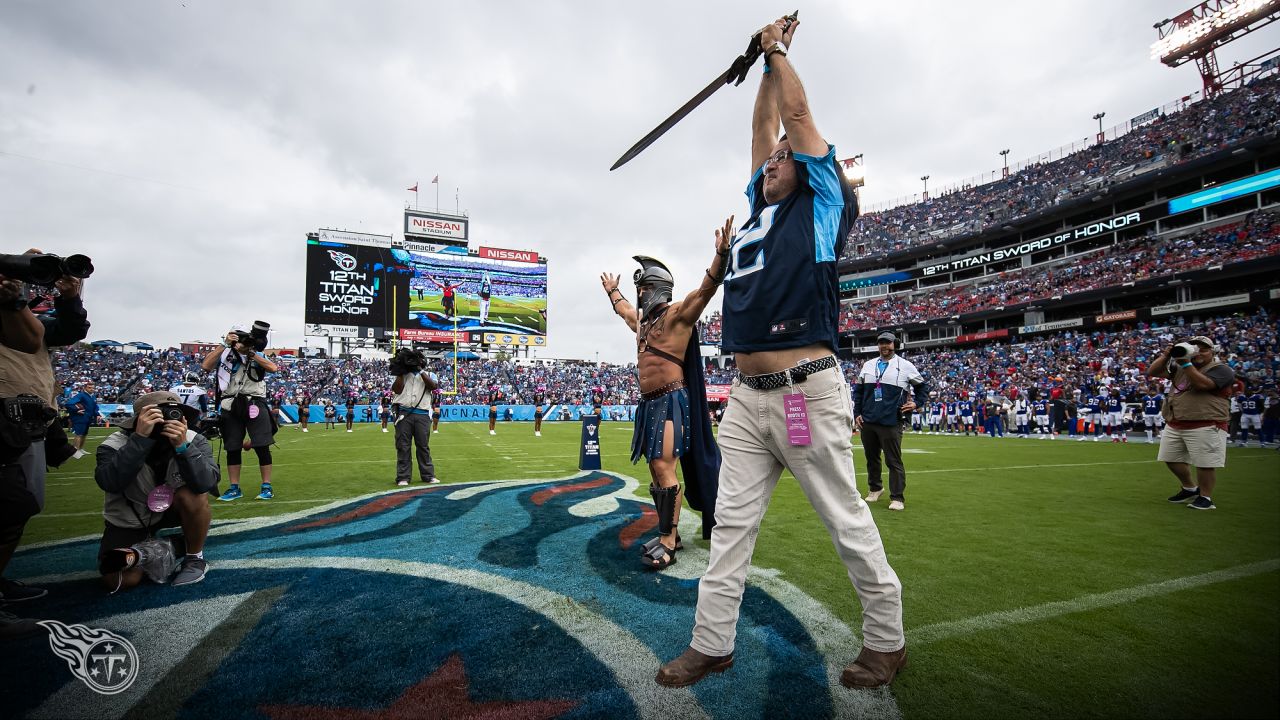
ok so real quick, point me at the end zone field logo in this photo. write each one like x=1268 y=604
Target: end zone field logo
x=520 y=598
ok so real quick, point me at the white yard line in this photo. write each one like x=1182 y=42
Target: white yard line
x=1048 y=611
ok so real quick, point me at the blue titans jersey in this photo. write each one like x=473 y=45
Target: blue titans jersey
x=1115 y=404
x=1251 y=404
x=781 y=289
x=1151 y=404
x=1041 y=407
x=1089 y=404
x=966 y=407
x=938 y=408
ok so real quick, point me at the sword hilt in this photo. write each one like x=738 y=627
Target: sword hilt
x=738 y=68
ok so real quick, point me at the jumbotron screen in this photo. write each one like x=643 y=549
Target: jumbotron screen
x=499 y=293
x=355 y=285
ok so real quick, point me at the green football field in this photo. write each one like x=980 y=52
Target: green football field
x=520 y=311
x=1041 y=579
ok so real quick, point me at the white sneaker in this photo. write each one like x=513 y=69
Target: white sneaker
x=435 y=432
x=897 y=505
x=537 y=433
x=351 y=431
x=874 y=496
x=304 y=429
x=384 y=430
x=79 y=454
x=493 y=432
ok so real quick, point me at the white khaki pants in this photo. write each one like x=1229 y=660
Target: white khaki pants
x=755 y=449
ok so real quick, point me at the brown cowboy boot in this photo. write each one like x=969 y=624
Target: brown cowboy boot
x=874 y=669
x=691 y=667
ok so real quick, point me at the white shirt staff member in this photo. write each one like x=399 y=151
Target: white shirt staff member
x=888 y=386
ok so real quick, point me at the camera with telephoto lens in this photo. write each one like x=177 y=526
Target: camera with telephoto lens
x=407 y=361
x=44 y=268
x=157 y=557
x=256 y=338
x=1183 y=350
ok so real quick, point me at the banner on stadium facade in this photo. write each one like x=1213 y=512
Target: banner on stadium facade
x=514 y=339
x=1240 y=299
x=354 y=238
x=589 y=458
x=1115 y=317
x=337 y=331
x=1044 y=243
x=492 y=253
x=851 y=284
x=1056 y=325
x=1145 y=117
x=449 y=229
x=423 y=335
x=986 y=335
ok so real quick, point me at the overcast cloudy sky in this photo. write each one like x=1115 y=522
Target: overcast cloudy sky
x=188 y=147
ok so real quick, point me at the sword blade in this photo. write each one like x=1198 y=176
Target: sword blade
x=676 y=117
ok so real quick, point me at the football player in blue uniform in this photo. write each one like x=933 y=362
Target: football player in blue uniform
x=1152 y=404
x=1251 y=407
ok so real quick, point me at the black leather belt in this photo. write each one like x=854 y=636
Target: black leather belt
x=790 y=376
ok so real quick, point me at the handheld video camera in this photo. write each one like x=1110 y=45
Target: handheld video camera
x=44 y=268
x=406 y=361
x=256 y=338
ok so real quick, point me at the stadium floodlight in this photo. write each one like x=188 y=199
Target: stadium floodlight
x=1208 y=24
x=854 y=171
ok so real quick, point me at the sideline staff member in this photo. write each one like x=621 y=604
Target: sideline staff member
x=412 y=401
x=1196 y=412
x=888 y=388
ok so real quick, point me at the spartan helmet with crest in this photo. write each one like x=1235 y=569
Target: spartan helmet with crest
x=654 y=285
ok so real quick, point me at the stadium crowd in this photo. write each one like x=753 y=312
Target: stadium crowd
x=1199 y=129
x=1072 y=360
x=1136 y=260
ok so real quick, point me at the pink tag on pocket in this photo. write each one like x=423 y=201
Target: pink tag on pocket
x=253 y=412
x=797 y=418
x=160 y=498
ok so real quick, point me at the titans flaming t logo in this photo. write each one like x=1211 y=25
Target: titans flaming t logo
x=104 y=661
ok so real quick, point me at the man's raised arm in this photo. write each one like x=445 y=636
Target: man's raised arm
x=620 y=305
x=692 y=306
x=792 y=104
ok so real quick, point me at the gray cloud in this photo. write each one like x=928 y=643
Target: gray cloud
x=243 y=125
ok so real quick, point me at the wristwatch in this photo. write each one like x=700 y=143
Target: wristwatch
x=776 y=47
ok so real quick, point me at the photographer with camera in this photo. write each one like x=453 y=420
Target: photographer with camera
x=1196 y=412
x=242 y=400
x=412 y=407
x=157 y=473
x=30 y=441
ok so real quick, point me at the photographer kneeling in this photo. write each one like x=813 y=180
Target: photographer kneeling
x=242 y=388
x=412 y=407
x=156 y=472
